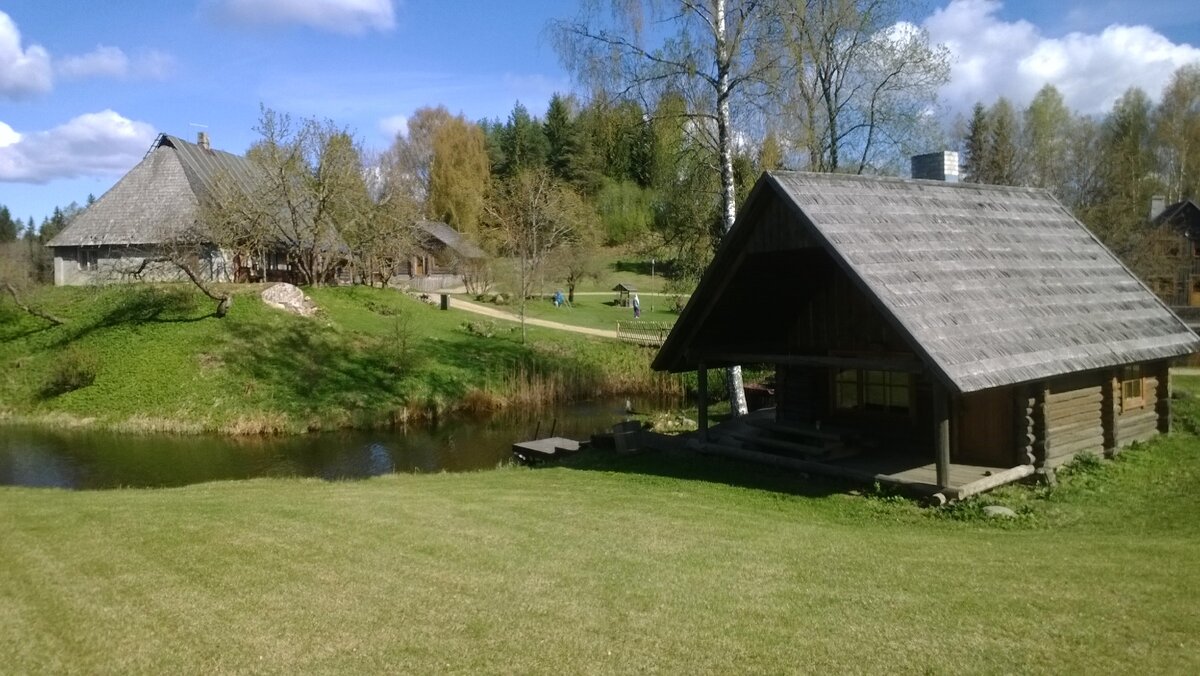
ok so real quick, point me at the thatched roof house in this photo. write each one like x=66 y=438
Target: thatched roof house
x=153 y=205
x=442 y=257
x=979 y=324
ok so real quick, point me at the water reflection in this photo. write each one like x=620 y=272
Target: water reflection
x=92 y=459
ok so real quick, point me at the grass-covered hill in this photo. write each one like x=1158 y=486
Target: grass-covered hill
x=153 y=357
x=630 y=564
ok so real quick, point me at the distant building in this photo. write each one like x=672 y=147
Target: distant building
x=442 y=256
x=1180 y=248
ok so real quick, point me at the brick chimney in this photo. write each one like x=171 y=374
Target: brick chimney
x=941 y=166
x=202 y=140
x=1157 y=204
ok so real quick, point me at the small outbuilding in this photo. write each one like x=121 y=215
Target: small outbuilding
x=948 y=335
x=624 y=291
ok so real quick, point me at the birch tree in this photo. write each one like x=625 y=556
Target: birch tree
x=714 y=52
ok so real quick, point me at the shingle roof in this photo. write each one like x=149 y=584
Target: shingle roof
x=991 y=285
x=157 y=200
x=452 y=238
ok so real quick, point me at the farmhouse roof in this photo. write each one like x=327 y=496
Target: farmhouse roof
x=1185 y=213
x=990 y=285
x=157 y=200
x=452 y=239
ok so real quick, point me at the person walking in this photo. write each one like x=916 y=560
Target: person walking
x=637 y=307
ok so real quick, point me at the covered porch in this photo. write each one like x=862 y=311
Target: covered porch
x=841 y=453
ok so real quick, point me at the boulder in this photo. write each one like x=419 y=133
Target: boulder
x=999 y=512
x=289 y=298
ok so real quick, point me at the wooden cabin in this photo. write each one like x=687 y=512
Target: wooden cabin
x=1178 y=228
x=975 y=331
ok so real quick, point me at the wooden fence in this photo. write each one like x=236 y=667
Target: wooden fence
x=643 y=333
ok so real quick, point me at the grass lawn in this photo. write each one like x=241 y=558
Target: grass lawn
x=598 y=311
x=629 y=564
x=159 y=360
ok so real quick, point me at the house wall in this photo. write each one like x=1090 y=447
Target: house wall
x=80 y=266
x=1087 y=413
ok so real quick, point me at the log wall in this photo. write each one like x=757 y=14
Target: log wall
x=1140 y=422
x=1074 y=420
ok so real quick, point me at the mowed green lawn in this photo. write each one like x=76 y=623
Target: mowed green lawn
x=648 y=563
x=599 y=312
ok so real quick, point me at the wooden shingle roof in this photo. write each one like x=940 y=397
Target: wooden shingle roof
x=451 y=239
x=990 y=285
x=157 y=200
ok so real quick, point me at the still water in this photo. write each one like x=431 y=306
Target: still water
x=82 y=459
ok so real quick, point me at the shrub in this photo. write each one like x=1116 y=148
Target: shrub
x=75 y=370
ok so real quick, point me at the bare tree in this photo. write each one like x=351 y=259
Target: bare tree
x=16 y=278
x=857 y=79
x=309 y=180
x=534 y=217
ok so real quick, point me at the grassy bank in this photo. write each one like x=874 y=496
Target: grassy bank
x=633 y=564
x=153 y=358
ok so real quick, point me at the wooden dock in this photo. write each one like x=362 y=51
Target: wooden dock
x=544 y=450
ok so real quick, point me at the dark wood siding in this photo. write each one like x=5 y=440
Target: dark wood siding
x=1074 y=420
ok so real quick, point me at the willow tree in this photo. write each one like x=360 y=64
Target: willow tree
x=717 y=53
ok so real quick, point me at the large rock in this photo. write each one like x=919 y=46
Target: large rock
x=289 y=298
x=999 y=512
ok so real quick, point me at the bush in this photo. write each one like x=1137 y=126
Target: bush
x=76 y=370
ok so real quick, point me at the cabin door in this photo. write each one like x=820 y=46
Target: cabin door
x=1194 y=296
x=985 y=429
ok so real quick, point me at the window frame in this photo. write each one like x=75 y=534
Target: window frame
x=1133 y=388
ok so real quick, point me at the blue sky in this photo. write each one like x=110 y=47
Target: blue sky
x=83 y=92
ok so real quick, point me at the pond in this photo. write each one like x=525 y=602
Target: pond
x=88 y=459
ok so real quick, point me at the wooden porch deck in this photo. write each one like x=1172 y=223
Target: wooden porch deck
x=824 y=453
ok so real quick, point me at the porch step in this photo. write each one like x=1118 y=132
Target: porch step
x=790 y=431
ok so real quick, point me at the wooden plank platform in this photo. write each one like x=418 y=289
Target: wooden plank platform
x=541 y=450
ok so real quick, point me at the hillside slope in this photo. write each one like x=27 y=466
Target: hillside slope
x=157 y=359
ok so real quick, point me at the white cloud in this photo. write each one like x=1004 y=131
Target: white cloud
x=394 y=125
x=92 y=144
x=993 y=58
x=105 y=61
x=23 y=72
x=8 y=135
x=351 y=17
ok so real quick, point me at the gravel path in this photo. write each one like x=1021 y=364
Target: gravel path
x=510 y=317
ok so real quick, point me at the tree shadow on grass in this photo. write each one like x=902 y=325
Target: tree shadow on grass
x=690 y=466
x=313 y=369
x=136 y=305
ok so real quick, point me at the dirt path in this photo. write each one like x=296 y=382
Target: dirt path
x=486 y=311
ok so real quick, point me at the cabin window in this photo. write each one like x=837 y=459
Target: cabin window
x=1132 y=388
x=87 y=259
x=871 y=390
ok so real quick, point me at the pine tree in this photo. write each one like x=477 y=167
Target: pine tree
x=1002 y=166
x=976 y=146
x=523 y=142
x=8 y=227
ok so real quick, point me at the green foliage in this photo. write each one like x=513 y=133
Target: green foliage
x=373 y=355
x=626 y=211
x=74 y=370
x=9 y=228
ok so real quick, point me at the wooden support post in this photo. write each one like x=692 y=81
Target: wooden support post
x=941 y=434
x=1162 y=394
x=1110 y=410
x=702 y=395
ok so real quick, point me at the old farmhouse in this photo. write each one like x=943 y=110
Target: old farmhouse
x=942 y=335
x=151 y=212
